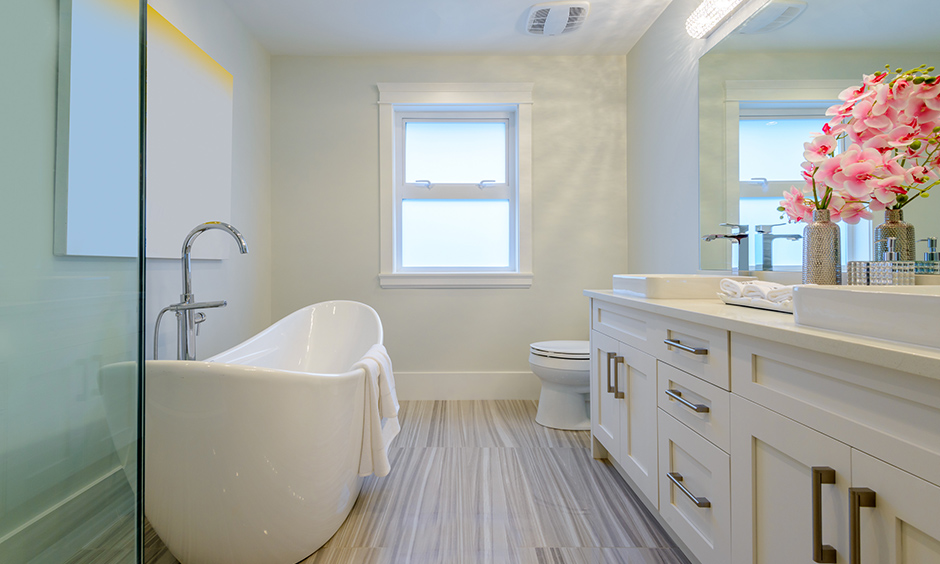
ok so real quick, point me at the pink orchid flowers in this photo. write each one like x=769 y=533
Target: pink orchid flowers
x=892 y=128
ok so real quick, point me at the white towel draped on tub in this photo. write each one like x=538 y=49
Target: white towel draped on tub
x=380 y=424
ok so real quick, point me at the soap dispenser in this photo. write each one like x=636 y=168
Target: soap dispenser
x=891 y=271
x=931 y=262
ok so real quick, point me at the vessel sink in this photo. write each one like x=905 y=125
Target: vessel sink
x=689 y=286
x=907 y=314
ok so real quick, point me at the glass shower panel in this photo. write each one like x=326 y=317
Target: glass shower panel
x=69 y=325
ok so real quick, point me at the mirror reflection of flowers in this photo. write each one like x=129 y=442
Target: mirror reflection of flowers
x=892 y=132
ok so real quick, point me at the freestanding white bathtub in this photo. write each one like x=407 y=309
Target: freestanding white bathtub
x=253 y=456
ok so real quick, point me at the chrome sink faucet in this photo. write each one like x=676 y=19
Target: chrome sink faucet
x=188 y=317
x=737 y=236
x=766 y=246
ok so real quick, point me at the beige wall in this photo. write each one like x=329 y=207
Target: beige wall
x=243 y=280
x=325 y=204
x=662 y=133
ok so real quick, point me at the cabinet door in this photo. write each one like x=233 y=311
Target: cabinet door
x=773 y=464
x=636 y=382
x=605 y=408
x=903 y=526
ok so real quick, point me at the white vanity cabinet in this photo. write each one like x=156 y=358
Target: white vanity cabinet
x=623 y=400
x=796 y=413
x=661 y=424
x=780 y=444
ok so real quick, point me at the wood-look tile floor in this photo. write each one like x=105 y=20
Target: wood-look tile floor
x=481 y=482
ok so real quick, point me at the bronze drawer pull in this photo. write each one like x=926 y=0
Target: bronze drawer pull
x=696 y=407
x=617 y=393
x=822 y=553
x=610 y=387
x=686 y=348
x=858 y=498
x=676 y=479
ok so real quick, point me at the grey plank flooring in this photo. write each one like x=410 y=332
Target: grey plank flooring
x=479 y=482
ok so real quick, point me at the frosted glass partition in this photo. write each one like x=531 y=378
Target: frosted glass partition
x=69 y=328
x=455 y=233
x=455 y=152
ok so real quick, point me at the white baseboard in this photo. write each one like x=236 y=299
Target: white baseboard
x=467 y=385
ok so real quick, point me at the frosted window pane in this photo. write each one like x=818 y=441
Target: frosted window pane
x=455 y=152
x=773 y=149
x=455 y=233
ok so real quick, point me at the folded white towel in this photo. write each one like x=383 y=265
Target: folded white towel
x=380 y=414
x=780 y=295
x=759 y=289
x=731 y=287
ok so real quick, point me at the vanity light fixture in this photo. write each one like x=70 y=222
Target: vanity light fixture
x=709 y=15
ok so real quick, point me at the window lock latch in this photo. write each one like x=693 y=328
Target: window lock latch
x=482 y=183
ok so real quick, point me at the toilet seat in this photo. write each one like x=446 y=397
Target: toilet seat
x=563 y=350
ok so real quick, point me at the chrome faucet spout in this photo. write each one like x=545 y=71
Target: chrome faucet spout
x=186 y=297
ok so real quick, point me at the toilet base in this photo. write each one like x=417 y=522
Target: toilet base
x=565 y=410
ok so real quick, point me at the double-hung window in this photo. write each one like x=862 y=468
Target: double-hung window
x=456 y=185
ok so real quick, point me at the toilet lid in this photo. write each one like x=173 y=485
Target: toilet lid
x=574 y=350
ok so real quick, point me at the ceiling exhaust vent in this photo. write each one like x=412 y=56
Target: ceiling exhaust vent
x=774 y=15
x=555 y=18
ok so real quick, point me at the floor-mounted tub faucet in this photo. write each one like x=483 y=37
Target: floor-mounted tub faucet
x=187 y=315
x=738 y=237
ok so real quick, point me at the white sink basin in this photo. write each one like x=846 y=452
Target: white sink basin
x=689 y=286
x=907 y=314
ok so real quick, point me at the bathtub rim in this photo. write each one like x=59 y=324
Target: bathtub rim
x=271 y=327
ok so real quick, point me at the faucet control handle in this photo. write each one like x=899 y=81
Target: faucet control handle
x=741 y=228
x=768 y=229
x=198 y=319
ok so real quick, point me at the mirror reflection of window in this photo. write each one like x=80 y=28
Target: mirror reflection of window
x=770 y=158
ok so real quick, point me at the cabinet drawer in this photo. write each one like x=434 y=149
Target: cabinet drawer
x=892 y=415
x=701 y=406
x=700 y=514
x=700 y=350
x=630 y=326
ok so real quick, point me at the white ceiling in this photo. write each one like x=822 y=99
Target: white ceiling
x=432 y=27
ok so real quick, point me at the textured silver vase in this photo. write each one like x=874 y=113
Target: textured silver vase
x=821 y=261
x=895 y=226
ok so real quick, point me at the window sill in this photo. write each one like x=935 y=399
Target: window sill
x=456 y=280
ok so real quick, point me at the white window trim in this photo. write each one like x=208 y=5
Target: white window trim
x=424 y=95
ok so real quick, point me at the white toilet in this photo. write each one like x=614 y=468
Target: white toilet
x=565 y=369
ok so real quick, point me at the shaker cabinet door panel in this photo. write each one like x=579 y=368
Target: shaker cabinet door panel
x=775 y=466
x=903 y=527
x=636 y=381
x=605 y=407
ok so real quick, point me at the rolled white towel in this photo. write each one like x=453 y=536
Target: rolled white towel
x=731 y=287
x=759 y=289
x=780 y=295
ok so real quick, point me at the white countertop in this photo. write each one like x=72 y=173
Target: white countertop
x=781 y=328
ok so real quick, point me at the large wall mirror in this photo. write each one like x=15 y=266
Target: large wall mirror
x=760 y=97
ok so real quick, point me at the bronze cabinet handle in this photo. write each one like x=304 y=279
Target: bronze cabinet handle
x=696 y=407
x=676 y=479
x=617 y=393
x=610 y=387
x=858 y=498
x=822 y=553
x=675 y=343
